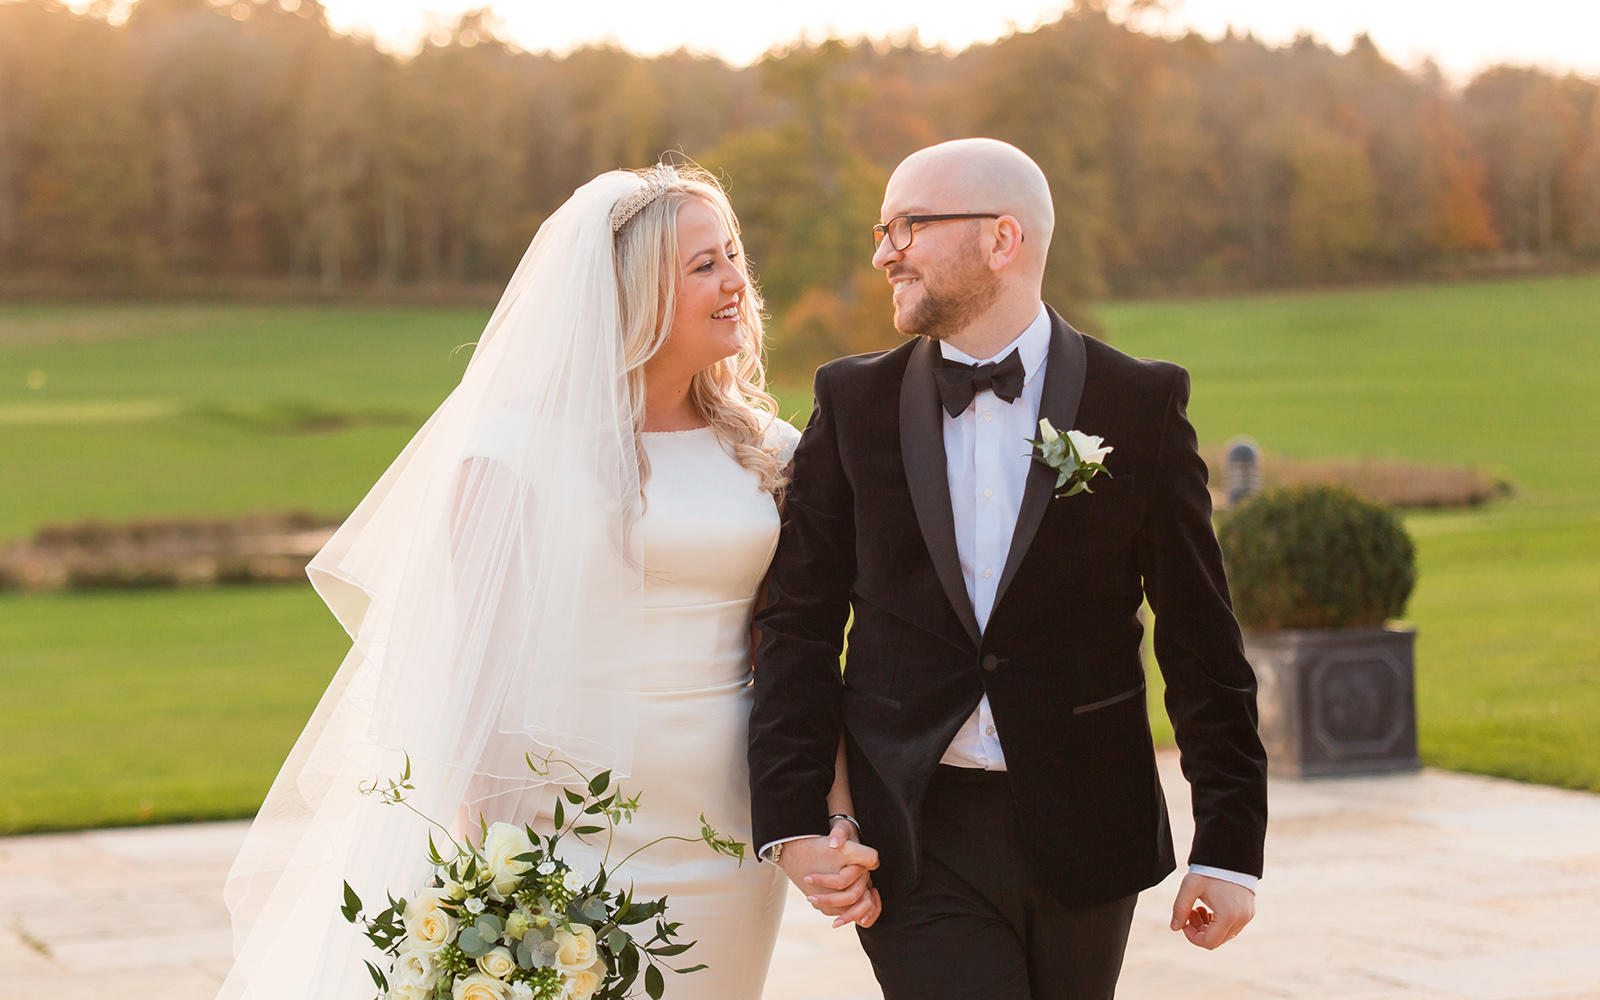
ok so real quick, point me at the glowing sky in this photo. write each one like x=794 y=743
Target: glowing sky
x=1460 y=35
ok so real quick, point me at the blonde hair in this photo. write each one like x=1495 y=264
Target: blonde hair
x=732 y=394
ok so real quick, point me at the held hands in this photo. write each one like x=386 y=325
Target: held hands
x=835 y=873
x=1211 y=911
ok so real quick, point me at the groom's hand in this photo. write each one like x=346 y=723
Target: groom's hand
x=835 y=873
x=1211 y=911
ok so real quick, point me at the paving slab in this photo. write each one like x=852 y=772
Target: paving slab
x=1425 y=886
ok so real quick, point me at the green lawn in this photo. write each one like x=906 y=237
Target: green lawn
x=169 y=410
x=133 y=707
x=157 y=705
x=1503 y=376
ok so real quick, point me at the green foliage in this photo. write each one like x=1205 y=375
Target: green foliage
x=532 y=901
x=1316 y=557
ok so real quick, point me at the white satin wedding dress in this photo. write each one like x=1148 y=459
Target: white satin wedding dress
x=706 y=536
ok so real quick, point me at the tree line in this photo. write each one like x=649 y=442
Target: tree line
x=210 y=138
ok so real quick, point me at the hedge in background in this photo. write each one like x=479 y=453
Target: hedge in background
x=1316 y=557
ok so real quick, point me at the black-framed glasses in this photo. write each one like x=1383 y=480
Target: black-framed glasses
x=899 y=230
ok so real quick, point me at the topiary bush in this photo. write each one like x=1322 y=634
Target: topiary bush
x=1316 y=557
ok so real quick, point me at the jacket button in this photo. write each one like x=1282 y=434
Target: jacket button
x=991 y=662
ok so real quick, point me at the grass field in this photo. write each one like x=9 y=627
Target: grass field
x=1503 y=376
x=132 y=707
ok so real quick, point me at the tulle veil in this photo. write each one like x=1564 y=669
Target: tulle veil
x=478 y=581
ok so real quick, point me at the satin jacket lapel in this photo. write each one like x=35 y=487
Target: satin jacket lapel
x=1064 y=372
x=922 y=450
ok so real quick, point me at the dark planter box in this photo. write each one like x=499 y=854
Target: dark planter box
x=1336 y=701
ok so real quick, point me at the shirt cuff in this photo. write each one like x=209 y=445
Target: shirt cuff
x=762 y=854
x=1237 y=878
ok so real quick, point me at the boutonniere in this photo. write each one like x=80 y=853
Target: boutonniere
x=1074 y=455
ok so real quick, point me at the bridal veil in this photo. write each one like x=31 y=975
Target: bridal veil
x=479 y=581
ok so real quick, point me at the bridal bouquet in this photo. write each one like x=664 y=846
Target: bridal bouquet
x=507 y=919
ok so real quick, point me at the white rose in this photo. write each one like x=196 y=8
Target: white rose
x=1089 y=446
x=521 y=991
x=500 y=847
x=415 y=970
x=399 y=992
x=480 y=987
x=575 y=949
x=585 y=983
x=574 y=879
x=429 y=927
x=497 y=963
x=1047 y=433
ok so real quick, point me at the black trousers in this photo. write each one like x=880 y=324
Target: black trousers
x=978 y=924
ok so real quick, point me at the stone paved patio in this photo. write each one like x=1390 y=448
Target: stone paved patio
x=1430 y=885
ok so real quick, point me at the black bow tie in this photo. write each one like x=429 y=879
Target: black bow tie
x=958 y=383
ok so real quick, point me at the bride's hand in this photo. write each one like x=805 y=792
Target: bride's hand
x=847 y=894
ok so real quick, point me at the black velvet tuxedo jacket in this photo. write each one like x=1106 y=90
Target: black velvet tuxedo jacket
x=868 y=530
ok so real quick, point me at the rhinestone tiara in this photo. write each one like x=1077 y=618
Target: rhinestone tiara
x=656 y=180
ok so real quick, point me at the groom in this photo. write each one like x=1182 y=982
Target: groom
x=993 y=698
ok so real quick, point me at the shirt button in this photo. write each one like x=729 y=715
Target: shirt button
x=988 y=730
x=988 y=574
x=988 y=416
x=988 y=493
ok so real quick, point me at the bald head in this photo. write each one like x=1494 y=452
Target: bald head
x=978 y=175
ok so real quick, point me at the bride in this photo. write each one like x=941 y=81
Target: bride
x=564 y=561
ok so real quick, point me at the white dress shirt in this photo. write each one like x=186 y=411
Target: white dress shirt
x=987 y=458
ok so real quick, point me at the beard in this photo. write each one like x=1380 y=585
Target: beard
x=951 y=300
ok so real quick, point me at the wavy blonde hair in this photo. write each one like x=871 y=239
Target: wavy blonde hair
x=732 y=394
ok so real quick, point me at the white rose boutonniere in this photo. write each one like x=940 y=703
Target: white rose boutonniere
x=1075 y=456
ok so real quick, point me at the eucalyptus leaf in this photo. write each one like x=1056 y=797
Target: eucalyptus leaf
x=653 y=983
x=545 y=954
x=472 y=943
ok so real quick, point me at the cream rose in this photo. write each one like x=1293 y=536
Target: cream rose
x=585 y=983
x=480 y=987
x=500 y=847
x=497 y=963
x=427 y=925
x=576 y=949
x=398 y=992
x=1090 y=446
x=415 y=970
